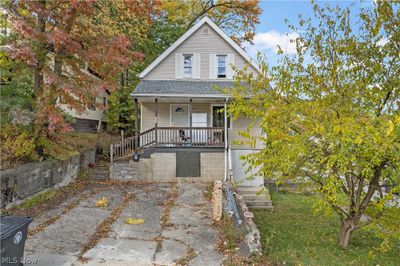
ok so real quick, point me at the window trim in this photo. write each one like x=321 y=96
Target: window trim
x=225 y=56
x=212 y=115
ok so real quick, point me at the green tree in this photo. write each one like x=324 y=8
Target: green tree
x=332 y=117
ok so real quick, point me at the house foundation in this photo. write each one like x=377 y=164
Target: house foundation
x=191 y=164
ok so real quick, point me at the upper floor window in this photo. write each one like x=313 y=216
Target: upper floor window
x=187 y=65
x=92 y=105
x=105 y=102
x=221 y=60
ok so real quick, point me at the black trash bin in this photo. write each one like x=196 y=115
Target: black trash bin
x=13 y=233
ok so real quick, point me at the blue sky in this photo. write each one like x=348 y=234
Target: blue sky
x=273 y=31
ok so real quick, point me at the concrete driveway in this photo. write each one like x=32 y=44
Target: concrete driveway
x=177 y=227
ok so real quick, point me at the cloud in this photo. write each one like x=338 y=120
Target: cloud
x=270 y=40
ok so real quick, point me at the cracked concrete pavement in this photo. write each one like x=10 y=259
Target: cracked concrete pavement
x=177 y=229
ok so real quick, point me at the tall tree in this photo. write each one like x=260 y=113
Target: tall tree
x=332 y=117
x=237 y=18
x=75 y=50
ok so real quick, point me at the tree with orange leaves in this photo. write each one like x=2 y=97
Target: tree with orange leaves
x=76 y=50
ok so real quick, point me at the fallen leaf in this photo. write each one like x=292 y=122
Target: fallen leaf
x=103 y=202
x=134 y=221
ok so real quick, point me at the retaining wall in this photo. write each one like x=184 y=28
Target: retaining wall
x=28 y=179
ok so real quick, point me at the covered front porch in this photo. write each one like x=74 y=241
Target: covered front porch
x=181 y=122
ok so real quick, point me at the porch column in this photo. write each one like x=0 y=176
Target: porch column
x=136 y=125
x=156 y=119
x=190 y=120
x=225 y=141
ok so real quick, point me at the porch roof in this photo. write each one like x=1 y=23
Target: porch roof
x=181 y=88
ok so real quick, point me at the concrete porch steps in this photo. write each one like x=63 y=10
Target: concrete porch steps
x=99 y=172
x=256 y=197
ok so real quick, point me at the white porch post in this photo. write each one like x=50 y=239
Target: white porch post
x=136 y=125
x=155 y=119
x=225 y=141
x=190 y=120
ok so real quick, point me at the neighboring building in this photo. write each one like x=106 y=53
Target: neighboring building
x=183 y=125
x=91 y=119
x=87 y=121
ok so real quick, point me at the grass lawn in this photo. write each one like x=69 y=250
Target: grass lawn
x=294 y=234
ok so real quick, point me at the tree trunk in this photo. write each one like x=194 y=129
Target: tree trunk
x=346 y=229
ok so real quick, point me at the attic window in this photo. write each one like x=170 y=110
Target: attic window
x=205 y=30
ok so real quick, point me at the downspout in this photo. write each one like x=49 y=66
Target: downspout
x=225 y=142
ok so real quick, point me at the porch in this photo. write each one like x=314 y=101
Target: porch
x=181 y=122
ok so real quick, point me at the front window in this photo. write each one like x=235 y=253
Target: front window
x=187 y=65
x=218 y=117
x=221 y=66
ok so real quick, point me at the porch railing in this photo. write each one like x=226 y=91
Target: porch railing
x=122 y=148
x=189 y=137
x=169 y=137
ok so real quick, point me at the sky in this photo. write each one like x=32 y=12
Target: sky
x=273 y=31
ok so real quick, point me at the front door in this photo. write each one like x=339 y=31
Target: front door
x=179 y=115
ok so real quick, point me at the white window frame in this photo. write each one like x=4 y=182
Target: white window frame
x=226 y=66
x=212 y=118
x=177 y=105
x=184 y=75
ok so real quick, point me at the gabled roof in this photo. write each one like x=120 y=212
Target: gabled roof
x=189 y=33
x=181 y=88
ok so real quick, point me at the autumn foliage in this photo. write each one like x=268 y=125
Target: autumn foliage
x=76 y=50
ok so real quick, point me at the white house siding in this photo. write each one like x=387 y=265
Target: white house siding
x=198 y=43
x=240 y=177
x=148 y=114
x=97 y=114
x=240 y=124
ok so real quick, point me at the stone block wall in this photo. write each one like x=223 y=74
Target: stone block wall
x=26 y=180
x=212 y=166
x=162 y=166
x=131 y=170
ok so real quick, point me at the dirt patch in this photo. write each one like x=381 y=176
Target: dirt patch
x=169 y=203
x=63 y=193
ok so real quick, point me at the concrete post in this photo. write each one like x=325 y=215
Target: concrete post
x=217 y=201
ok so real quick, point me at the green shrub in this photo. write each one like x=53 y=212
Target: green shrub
x=17 y=145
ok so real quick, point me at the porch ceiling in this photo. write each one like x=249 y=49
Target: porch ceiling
x=180 y=100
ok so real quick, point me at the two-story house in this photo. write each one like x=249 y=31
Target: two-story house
x=184 y=127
